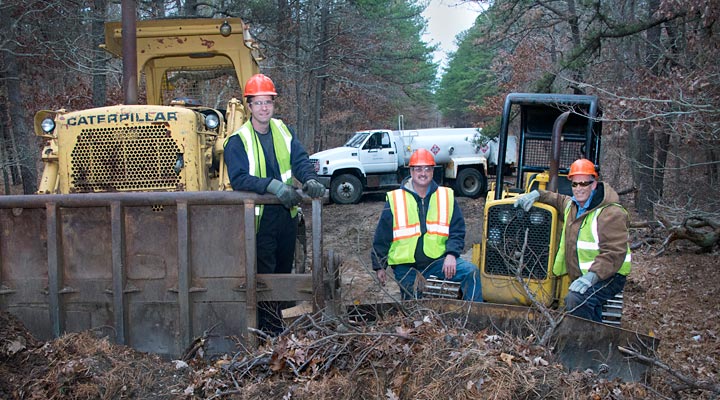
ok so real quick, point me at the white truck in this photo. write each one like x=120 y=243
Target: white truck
x=377 y=161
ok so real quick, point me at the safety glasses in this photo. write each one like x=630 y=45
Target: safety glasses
x=424 y=168
x=583 y=184
x=260 y=103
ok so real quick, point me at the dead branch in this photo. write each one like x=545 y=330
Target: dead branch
x=700 y=230
x=687 y=382
x=554 y=322
x=644 y=224
x=629 y=190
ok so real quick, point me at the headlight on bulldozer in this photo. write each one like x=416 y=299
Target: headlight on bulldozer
x=504 y=216
x=47 y=125
x=537 y=218
x=212 y=121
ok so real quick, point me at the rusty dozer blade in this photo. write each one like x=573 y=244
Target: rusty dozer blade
x=579 y=344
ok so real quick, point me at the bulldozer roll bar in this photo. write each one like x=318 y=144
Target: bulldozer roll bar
x=561 y=102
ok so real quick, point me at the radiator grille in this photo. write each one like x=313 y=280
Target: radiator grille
x=505 y=238
x=124 y=159
x=538 y=153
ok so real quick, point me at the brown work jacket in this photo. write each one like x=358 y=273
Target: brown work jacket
x=613 y=224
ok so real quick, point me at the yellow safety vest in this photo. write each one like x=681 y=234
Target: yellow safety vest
x=588 y=245
x=282 y=139
x=406 y=225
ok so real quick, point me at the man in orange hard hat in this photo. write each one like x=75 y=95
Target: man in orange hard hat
x=593 y=246
x=422 y=231
x=263 y=156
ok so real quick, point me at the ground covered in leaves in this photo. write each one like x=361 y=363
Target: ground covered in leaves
x=414 y=354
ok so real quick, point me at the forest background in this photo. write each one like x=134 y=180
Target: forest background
x=346 y=65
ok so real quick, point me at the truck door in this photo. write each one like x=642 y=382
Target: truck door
x=377 y=154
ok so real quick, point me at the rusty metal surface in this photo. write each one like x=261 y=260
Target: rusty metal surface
x=579 y=344
x=150 y=270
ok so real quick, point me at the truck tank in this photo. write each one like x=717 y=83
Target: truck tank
x=443 y=142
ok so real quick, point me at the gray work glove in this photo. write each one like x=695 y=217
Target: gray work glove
x=286 y=193
x=526 y=201
x=314 y=188
x=582 y=283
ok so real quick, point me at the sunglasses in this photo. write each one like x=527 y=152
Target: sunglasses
x=583 y=184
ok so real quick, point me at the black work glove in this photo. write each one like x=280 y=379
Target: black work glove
x=286 y=193
x=314 y=188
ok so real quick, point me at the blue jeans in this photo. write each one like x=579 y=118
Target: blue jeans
x=466 y=273
x=589 y=304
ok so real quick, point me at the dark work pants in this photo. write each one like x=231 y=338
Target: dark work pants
x=589 y=304
x=275 y=248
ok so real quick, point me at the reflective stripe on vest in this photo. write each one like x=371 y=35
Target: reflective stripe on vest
x=588 y=245
x=438 y=220
x=282 y=139
x=406 y=225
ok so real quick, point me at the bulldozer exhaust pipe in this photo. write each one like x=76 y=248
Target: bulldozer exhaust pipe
x=129 y=50
x=555 y=152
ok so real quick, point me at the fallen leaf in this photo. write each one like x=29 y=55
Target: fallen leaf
x=15 y=346
x=507 y=358
x=391 y=395
x=540 y=361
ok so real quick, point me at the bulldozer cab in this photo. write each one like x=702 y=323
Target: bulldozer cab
x=193 y=61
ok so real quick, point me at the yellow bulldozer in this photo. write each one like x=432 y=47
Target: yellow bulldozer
x=193 y=70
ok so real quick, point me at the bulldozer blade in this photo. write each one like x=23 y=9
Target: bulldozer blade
x=578 y=344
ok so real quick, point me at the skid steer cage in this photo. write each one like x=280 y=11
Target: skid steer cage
x=150 y=270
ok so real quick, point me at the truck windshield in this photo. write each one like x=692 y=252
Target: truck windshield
x=357 y=139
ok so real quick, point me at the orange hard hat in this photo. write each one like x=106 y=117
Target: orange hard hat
x=259 y=85
x=582 y=166
x=422 y=157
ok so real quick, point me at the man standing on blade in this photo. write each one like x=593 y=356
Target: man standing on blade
x=593 y=246
x=264 y=156
x=422 y=230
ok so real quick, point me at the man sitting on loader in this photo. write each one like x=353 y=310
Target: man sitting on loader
x=593 y=247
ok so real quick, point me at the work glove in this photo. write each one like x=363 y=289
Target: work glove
x=526 y=201
x=582 y=283
x=314 y=188
x=286 y=193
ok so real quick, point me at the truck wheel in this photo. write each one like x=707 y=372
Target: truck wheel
x=346 y=189
x=470 y=183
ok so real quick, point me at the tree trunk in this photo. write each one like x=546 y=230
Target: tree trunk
x=3 y=149
x=26 y=148
x=642 y=149
x=320 y=78
x=662 y=139
x=648 y=170
x=575 y=35
x=99 y=59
